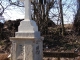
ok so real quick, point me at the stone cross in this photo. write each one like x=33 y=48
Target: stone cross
x=27 y=8
x=27 y=43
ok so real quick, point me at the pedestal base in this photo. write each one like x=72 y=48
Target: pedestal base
x=27 y=26
x=27 y=43
x=26 y=49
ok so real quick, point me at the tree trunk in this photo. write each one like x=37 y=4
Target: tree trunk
x=61 y=17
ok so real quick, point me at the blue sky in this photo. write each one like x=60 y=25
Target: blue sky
x=14 y=12
x=69 y=10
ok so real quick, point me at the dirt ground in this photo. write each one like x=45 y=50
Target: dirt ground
x=4 y=57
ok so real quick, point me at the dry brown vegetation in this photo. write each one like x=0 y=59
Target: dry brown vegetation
x=52 y=36
x=52 y=39
x=4 y=56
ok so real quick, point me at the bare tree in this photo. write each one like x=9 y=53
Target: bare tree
x=16 y=3
x=4 y=4
x=76 y=23
x=41 y=10
x=2 y=7
x=61 y=17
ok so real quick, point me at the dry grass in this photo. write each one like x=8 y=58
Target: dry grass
x=4 y=57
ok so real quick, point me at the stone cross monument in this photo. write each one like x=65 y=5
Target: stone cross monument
x=27 y=43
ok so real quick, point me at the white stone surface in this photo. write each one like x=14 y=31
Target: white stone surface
x=28 y=35
x=24 y=0
x=27 y=26
x=27 y=49
x=27 y=43
x=28 y=29
x=27 y=9
x=27 y=4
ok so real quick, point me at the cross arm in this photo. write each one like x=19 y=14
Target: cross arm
x=24 y=0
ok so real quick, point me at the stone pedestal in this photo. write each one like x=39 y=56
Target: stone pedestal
x=27 y=43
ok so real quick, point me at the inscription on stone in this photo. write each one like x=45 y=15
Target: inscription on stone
x=14 y=46
x=37 y=50
x=20 y=52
